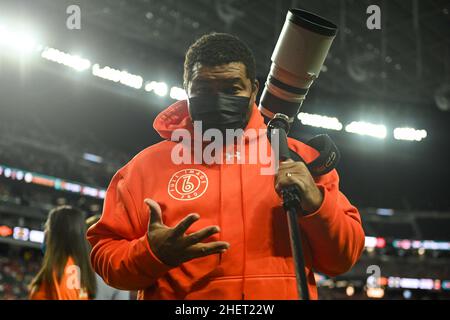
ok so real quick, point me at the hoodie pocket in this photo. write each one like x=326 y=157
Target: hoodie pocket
x=194 y=275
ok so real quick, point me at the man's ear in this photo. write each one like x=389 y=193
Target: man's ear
x=255 y=87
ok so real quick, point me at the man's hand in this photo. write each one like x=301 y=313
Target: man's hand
x=296 y=173
x=172 y=246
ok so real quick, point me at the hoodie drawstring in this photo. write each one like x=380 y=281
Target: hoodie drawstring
x=220 y=209
x=243 y=224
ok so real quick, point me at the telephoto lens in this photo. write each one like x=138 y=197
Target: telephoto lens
x=298 y=57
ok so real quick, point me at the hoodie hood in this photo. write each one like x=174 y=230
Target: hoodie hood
x=177 y=116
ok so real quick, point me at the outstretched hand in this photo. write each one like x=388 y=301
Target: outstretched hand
x=172 y=246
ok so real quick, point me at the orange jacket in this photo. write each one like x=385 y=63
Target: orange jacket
x=236 y=197
x=60 y=290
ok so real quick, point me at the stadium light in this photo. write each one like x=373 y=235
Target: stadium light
x=367 y=128
x=407 y=244
x=52 y=182
x=407 y=294
x=36 y=236
x=20 y=41
x=131 y=80
x=317 y=120
x=106 y=73
x=374 y=242
x=350 y=291
x=384 y=212
x=23 y=41
x=409 y=134
x=159 y=88
x=73 y=61
x=19 y=175
x=376 y=293
x=92 y=157
x=5 y=231
x=28 y=177
x=123 y=77
x=177 y=93
x=20 y=233
x=7 y=172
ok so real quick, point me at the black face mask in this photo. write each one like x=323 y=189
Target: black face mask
x=220 y=111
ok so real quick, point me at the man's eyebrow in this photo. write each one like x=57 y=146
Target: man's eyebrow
x=201 y=82
x=234 y=81
x=231 y=81
x=228 y=81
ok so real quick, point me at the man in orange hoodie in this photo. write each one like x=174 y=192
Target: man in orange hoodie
x=217 y=229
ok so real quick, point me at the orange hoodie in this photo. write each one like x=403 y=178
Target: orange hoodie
x=237 y=198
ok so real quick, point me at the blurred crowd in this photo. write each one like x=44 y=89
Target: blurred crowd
x=30 y=145
x=36 y=197
x=16 y=274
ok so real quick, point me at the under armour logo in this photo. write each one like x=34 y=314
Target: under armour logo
x=236 y=155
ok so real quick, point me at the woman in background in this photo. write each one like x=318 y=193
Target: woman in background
x=66 y=272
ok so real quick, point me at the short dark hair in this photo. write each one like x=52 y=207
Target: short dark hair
x=215 y=49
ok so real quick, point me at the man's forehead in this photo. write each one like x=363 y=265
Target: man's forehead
x=232 y=70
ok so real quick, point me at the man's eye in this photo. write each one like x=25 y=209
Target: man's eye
x=232 y=90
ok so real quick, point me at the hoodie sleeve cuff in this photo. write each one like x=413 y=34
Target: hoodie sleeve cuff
x=147 y=261
x=326 y=211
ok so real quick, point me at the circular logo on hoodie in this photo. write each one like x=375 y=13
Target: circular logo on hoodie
x=187 y=184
